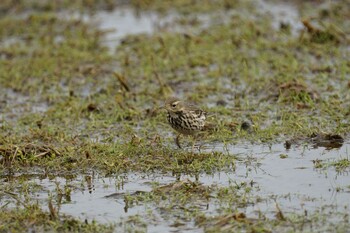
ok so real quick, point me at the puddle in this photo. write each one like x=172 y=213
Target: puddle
x=294 y=176
x=282 y=13
x=125 y=21
x=14 y=104
x=292 y=182
x=93 y=202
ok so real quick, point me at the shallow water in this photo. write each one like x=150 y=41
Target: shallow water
x=282 y=12
x=293 y=183
x=295 y=175
x=14 y=104
x=124 y=21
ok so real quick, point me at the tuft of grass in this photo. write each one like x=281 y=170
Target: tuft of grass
x=32 y=217
x=341 y=165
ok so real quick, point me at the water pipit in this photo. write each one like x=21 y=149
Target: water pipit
x=185 y=118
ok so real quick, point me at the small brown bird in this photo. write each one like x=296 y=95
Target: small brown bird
x=185 y=118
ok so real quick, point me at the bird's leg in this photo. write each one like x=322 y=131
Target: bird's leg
x=193 y=143
x=194 y=140
x=177 y=141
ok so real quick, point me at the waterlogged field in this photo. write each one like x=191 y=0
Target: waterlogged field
x=84 y=146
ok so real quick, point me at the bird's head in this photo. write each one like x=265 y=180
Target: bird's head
x=173 y=105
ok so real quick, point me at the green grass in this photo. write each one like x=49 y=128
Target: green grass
x=340 y=165
x=34 y=218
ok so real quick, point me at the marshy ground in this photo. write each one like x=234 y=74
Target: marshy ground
x=84 y=148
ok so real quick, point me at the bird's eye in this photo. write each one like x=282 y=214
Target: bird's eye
x=174 y=105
